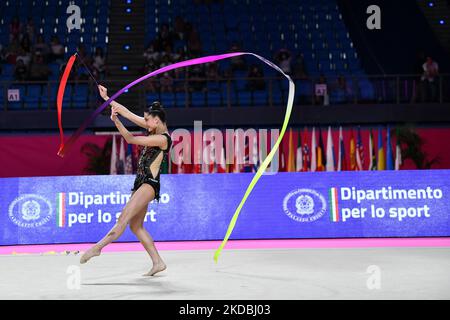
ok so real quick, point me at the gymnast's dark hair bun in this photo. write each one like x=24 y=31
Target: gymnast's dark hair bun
x=156 y=109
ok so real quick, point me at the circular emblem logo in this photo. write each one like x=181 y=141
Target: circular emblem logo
x=304 y=205
x=30 y=211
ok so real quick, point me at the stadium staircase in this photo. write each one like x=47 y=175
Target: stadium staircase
x=120 y=56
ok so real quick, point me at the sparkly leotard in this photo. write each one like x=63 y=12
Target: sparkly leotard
x=144 y=173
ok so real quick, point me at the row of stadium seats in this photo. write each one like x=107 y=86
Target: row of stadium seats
x=216 y=94
x=49 y=18
x=314 y=28
x=36 y=96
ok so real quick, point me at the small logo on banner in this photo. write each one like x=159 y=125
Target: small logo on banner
x=334 y=208
x=61 y=209
x=30 y=211
x=304 y=205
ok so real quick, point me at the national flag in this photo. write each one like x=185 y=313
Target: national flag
x=238 y=156
x=179 y=164
x=178 y=153
x=208 y=158
x=299 y=155
x=281 y=148
x=389 y=157
x=222 y=165
x=313 y=151
x=398 y=152
x=186 y=165
x=334 y=206
x=381 y=161
x=321 y=161
x=262 y=151
x=330 y=151
x=212 y=160
x=121 y=162
x=255 y=157
x=359 y=152
x=61 y=209
x=275 y=163
x=306 y=161
x=352 y=152
x=373 y=158
x=291 y=153
x=197 y=166
x=129 y=160
x=342 y=162
x=247 y=167
x=113 y=165
x=136 y=153
x=229 y=153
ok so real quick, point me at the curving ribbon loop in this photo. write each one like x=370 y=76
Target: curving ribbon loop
x=60 y=96
x=64 y=148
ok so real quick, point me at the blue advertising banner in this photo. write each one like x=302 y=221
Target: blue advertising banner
x=77 y=209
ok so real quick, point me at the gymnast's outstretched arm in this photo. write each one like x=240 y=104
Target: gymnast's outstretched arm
x=122 y=110
x=157 y=140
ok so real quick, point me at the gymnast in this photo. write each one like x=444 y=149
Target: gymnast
x=146 y=187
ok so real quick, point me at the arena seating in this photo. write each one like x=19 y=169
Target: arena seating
x=49 y=19
x=313 y=28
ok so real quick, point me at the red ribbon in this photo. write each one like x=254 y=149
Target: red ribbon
x=59 y=99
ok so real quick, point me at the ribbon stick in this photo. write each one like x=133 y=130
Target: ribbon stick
x=60 y=96
x=208 y=59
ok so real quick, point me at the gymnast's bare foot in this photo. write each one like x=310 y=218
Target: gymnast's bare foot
x=92 y=252
x=157 y=267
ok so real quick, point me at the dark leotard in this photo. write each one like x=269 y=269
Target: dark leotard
x=144 y=174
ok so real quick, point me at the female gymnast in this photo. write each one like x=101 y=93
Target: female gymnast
x=147 y=183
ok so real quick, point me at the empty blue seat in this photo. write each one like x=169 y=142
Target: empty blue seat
x=214 y=98
x=198 y=99
x=337 y=96
x=240 y=84
x=54 y=68
x=3 y=99
x=8 y=70
x=80 y=95
x=180 y=99
x=244 y=98
x=277 y=97
x=32 y=97
x=49 y=93
x=367 y=91
x=167 y=99
x=259 y=98
x=303 y=88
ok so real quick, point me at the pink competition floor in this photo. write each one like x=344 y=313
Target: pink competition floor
x=238 y=244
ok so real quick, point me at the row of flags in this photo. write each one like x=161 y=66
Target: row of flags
x=296 y=153
x=121 y=159
x=317 y=158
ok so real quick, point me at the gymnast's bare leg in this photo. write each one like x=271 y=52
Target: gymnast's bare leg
x=137 y=227
x=137 y=203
